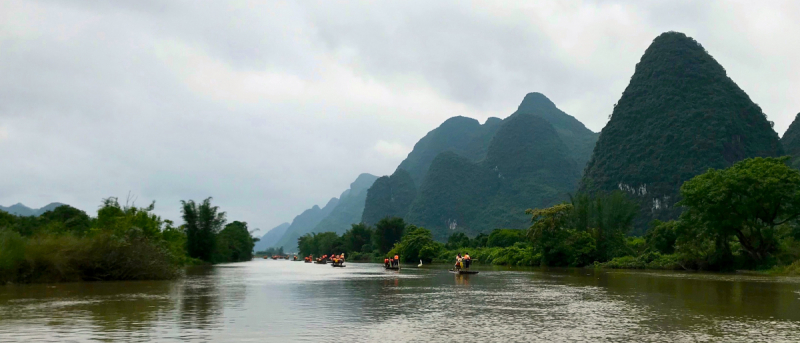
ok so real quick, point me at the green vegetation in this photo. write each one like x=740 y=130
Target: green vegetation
x=526 y=164
x=533 y=157
x=680 y=115
x=121 y=243
x=360 y=243
x=791 y=142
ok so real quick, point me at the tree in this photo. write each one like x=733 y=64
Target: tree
x=549 y=232
x=388 y=231
x=457 y=240
x=234 y=243
x=417 y=244
x=505 y=237
x=202 y=224
x=749 y=201
x=357 y=238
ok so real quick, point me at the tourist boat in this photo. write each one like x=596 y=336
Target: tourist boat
x=391 y=268
x=464 y=272
x=340 y=265
x=266 y=257
x=321 y=262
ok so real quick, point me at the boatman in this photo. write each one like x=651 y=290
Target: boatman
x=467 y=260
x=386 y=262
x=396 y=260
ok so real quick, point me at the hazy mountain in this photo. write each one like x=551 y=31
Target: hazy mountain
x=271 y=238
x=791 y=142
x=22 y=210
x=680 y=115
x=527 y=165
x=350 y=207
x=305 y=223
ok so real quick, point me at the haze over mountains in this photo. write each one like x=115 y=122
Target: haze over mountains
x=680 y=115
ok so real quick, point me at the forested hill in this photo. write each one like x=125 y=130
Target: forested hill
x=389 y=196
x=305 y=223
x=527 y=165
x=468 y=140
x=350 y=207
x=791 y=142
x=22 y=210
x=680 y=115
x=462 y=135
x=572 y=132
x=271 y=237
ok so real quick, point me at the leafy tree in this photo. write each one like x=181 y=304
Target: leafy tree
x=234 y=243
x=749 y=201
x=202 y=224
x=357 y=238
x=417 y=244
x=457 y=240
x=505 y=237
x=388 y=231
x=607 y=217
x=662 y=236
x=549 y=232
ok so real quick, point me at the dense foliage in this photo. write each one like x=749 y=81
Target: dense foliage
x=234 y=243
x=361 y=242
x=122 y=243
x=680 y=115
x=203 y=223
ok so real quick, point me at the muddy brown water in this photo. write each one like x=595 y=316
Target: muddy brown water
x=285 y=301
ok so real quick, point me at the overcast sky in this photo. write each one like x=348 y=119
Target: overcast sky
x=271 y=107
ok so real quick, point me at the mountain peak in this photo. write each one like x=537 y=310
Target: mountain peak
x=534 y=101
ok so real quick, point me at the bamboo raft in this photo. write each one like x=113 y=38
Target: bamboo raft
x=463 y=272
x=321 y=262
x=391 y=268
x=337 y=265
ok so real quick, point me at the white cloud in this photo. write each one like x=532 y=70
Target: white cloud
x=392 y=149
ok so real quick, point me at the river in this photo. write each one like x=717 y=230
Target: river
x=283 y=301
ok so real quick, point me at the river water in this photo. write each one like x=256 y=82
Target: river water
x=283 y=301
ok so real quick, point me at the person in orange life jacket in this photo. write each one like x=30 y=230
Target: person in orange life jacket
x=386 y=262
x=467 y=260
x=396 y=260
x=459 y=259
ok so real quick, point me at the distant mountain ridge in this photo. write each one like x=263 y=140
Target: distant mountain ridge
x=271 y=237
x=337 y=215
x=22 y=210
x=468 y=142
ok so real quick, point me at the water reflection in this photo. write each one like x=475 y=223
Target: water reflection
x=288 y=301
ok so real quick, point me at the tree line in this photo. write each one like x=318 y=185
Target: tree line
x=744 y=217
x=123 y=242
